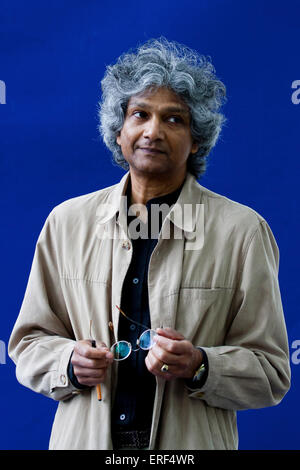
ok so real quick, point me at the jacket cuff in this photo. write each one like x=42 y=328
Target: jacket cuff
x=192 y=385
x=213 y=376
x=61 y=386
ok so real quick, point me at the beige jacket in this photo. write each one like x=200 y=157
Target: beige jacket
x=223 y=296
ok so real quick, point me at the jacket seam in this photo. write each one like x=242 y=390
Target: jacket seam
x=92 y=281
x=206 y=288
x=239 y=274
x=246 y=253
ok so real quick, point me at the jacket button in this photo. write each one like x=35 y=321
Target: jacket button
x=126 y=245
x=63 y=379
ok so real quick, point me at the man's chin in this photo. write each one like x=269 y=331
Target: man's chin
x=150 y=168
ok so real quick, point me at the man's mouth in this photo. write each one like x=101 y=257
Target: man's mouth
x=151 y=150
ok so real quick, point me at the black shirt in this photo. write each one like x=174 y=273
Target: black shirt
x=134 y=398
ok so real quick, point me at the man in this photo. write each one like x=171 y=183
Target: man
x=204 y=281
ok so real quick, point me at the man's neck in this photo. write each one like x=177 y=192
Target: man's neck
x=144 y=188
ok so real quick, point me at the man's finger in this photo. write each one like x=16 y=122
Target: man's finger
x=91 y=381
x=154 y=366
x=91 y=373
x=162 y=355
x=172 y=346
x=169 y=333
x=85 y=349
x=82 y=361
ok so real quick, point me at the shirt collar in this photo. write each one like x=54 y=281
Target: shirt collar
x=168 y=199
x=115 y=203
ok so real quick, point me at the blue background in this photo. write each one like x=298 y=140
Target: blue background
x=52 y=58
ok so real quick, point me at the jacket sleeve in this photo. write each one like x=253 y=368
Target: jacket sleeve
x=251 y=369
x=42 y=340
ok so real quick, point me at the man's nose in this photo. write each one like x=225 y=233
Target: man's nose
x=153 y=129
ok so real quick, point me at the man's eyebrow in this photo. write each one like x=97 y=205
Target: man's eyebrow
x=167 y=109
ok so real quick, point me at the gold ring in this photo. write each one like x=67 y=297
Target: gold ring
x=164 y=368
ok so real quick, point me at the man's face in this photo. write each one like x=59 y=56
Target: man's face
x=156 y=137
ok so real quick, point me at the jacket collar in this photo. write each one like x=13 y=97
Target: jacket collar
x=114 y=201
x=182 y=214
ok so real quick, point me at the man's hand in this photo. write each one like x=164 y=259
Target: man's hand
x=171 y=348
x=90 y=364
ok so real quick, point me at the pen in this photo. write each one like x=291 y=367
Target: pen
x=98 y=387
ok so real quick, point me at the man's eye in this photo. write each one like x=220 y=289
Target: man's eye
x=140 y=114
x=175 y=119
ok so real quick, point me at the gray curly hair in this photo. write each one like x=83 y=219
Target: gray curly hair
x=161 y=63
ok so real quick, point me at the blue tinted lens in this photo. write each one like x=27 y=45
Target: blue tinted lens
x=146 y=339
x=121 y=350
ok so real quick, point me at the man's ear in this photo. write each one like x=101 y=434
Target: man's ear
x=118 y=139
x=195 y=147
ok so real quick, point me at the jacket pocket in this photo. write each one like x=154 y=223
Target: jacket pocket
x=201 y=314
x=200 y=293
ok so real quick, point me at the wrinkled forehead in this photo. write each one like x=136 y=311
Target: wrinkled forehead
x=159 y=97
